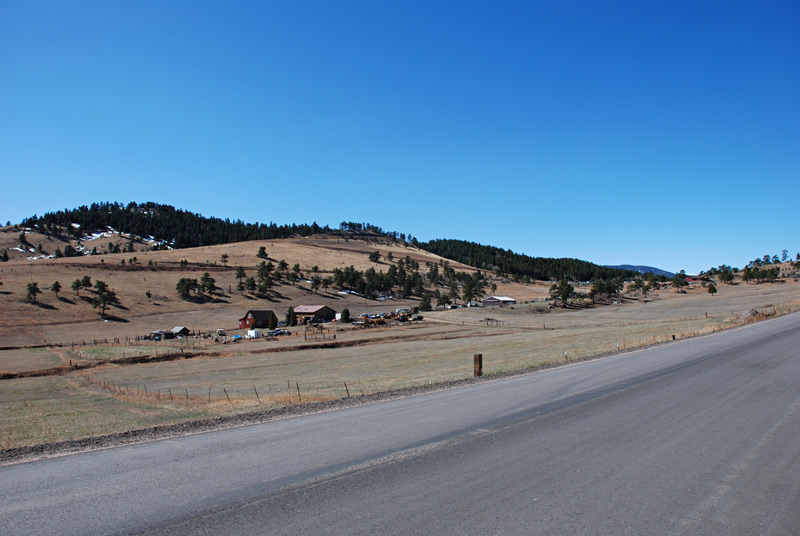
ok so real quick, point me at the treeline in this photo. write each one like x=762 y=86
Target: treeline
x=184 y=229
x=506 y=262
x=164 y=223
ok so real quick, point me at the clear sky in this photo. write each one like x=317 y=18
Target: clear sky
x=660 y=133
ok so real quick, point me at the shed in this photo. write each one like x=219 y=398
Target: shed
x=180 y=331
x=161 y=334
x=314 y=313
x=498 y=300
x=258 y=319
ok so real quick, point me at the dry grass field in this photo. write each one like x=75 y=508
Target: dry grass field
x=207 y=379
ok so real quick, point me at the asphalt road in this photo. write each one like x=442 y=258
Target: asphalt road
x=696 y=437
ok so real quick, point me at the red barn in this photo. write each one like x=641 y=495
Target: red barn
x=257 y=319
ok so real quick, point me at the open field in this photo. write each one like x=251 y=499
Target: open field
x=211 y=379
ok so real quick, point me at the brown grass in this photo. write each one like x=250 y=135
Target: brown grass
x=223 y=379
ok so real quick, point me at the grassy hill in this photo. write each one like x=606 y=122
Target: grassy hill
x=157 y=272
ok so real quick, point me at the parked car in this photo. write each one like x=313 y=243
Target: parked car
x=278 y=332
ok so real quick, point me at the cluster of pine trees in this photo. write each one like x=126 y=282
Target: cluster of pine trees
x=507 y=262
x=180 y=228
x=183 y=229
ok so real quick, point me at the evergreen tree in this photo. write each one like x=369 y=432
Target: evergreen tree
x=562 y=291
x=207 y=283
x=425 y=303
x=56 y=288
x=291 y=317
x=33 y=291
x=103 y=300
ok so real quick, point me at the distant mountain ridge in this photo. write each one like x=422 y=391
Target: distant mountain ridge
x=641 y=269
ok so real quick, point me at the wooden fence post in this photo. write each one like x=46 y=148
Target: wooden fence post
x=477 y=365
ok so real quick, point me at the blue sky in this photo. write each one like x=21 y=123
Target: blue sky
x=660 y=133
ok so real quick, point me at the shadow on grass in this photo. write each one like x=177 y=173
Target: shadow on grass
x=203 y=299
x=66 y=300
x=41 y=305
x=113 y=318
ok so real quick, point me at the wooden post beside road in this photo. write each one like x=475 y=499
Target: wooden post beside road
x=477 y=365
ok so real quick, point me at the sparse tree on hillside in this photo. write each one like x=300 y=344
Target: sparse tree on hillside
x=250 y=284
x=679 y=280
x=77 y=286
x=747 y=274
x=224 y=259
x=56 y=288
x=186 y=286
x=33 y=291
x=265 y=285
x=207 y=283
x=103 y=300
x=647 y=287
x=240 y=273
x=425 y=303
x=712 y=289
x=262 y=252
x=315 y=283
x=635 y=285
x=784 y=255
x=562 y=291
x=375 y=256
x=726 y=277
x=100 y=286
x=345 y=315
x=149 y=295
x=283 y=265
x=86 y=282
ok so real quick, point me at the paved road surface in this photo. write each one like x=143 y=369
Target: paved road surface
x=697 y=437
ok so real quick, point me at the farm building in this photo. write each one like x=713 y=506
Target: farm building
x=180 y=331
x=161 y=335
x=314 y=313
x=498 y=300
x=258 y=319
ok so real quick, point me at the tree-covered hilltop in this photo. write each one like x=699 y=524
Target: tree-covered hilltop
x=514 y=264
x=184 y=229
x=179 y=228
